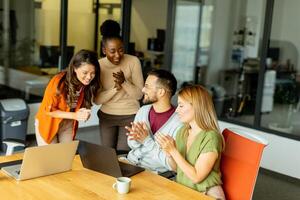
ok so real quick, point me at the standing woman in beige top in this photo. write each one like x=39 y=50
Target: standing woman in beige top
x=122 y=82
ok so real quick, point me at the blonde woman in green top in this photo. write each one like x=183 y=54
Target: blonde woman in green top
x=196 y=153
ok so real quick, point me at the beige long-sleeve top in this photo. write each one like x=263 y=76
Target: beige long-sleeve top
x=126 y=100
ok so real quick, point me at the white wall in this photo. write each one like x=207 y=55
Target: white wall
x=281 y=155
x=146 y=17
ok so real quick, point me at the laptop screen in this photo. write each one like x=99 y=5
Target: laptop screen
x=44 y=160
x=104 y=160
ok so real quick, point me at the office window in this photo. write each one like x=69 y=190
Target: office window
x=147 y=32
x=186 y=39
x=233 y=60
x=236 y=46
x=108 y=9
x=205 y=35
x=33 y=26
x=282 y=81
x=81 y=25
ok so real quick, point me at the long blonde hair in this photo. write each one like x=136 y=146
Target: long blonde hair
x=201 y=100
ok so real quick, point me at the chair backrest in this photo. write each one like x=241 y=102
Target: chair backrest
x=240 y=163
x=11 y=143
x=49 y=55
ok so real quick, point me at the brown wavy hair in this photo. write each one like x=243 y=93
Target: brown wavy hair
x=69 y=83
x=201 y=100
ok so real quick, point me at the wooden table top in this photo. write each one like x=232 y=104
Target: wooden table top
x=81 y=183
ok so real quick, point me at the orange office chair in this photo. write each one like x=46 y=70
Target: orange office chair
x=240 y=163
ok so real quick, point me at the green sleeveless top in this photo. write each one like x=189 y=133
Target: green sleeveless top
x=205 y=141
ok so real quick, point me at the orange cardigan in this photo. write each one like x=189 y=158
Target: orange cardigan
x=48 y=126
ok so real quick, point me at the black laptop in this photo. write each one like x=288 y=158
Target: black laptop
x=105 y=160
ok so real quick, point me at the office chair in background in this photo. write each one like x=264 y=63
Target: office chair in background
x=49 y=55
x=11 y=144
x=240 y=163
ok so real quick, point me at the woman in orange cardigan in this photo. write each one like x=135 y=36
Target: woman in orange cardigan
x=68 y=99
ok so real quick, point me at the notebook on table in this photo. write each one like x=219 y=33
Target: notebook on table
x=105 y=160
x=43 y=160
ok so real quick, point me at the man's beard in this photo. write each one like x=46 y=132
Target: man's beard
x=149 y=100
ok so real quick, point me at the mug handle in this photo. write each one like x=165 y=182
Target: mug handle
x=114 y=186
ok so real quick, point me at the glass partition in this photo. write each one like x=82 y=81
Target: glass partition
x=29 y=57
x=186 y=38
x=108 y=9
x=281 y=105
x=234 y=58
x=81 y=25
x=148 y=32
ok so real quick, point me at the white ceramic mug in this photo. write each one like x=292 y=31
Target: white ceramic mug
x=122 y=185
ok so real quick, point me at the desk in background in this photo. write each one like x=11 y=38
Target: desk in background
x=81 y=183
x=36 y=83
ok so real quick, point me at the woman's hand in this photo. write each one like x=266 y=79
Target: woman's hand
x=83 y=114
x=117 y=85
x=166 y=142
x=119 y=79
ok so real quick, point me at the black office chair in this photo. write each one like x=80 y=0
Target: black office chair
x=169 y=175
x=49 y=55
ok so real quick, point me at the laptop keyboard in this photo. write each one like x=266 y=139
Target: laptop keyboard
x=5 y=164
x=124 y=170
x=129 y=170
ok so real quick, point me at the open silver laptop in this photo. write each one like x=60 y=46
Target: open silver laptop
x=44 y=160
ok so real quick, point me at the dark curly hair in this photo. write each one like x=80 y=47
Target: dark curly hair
x=69 y=84
x=110 y=29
